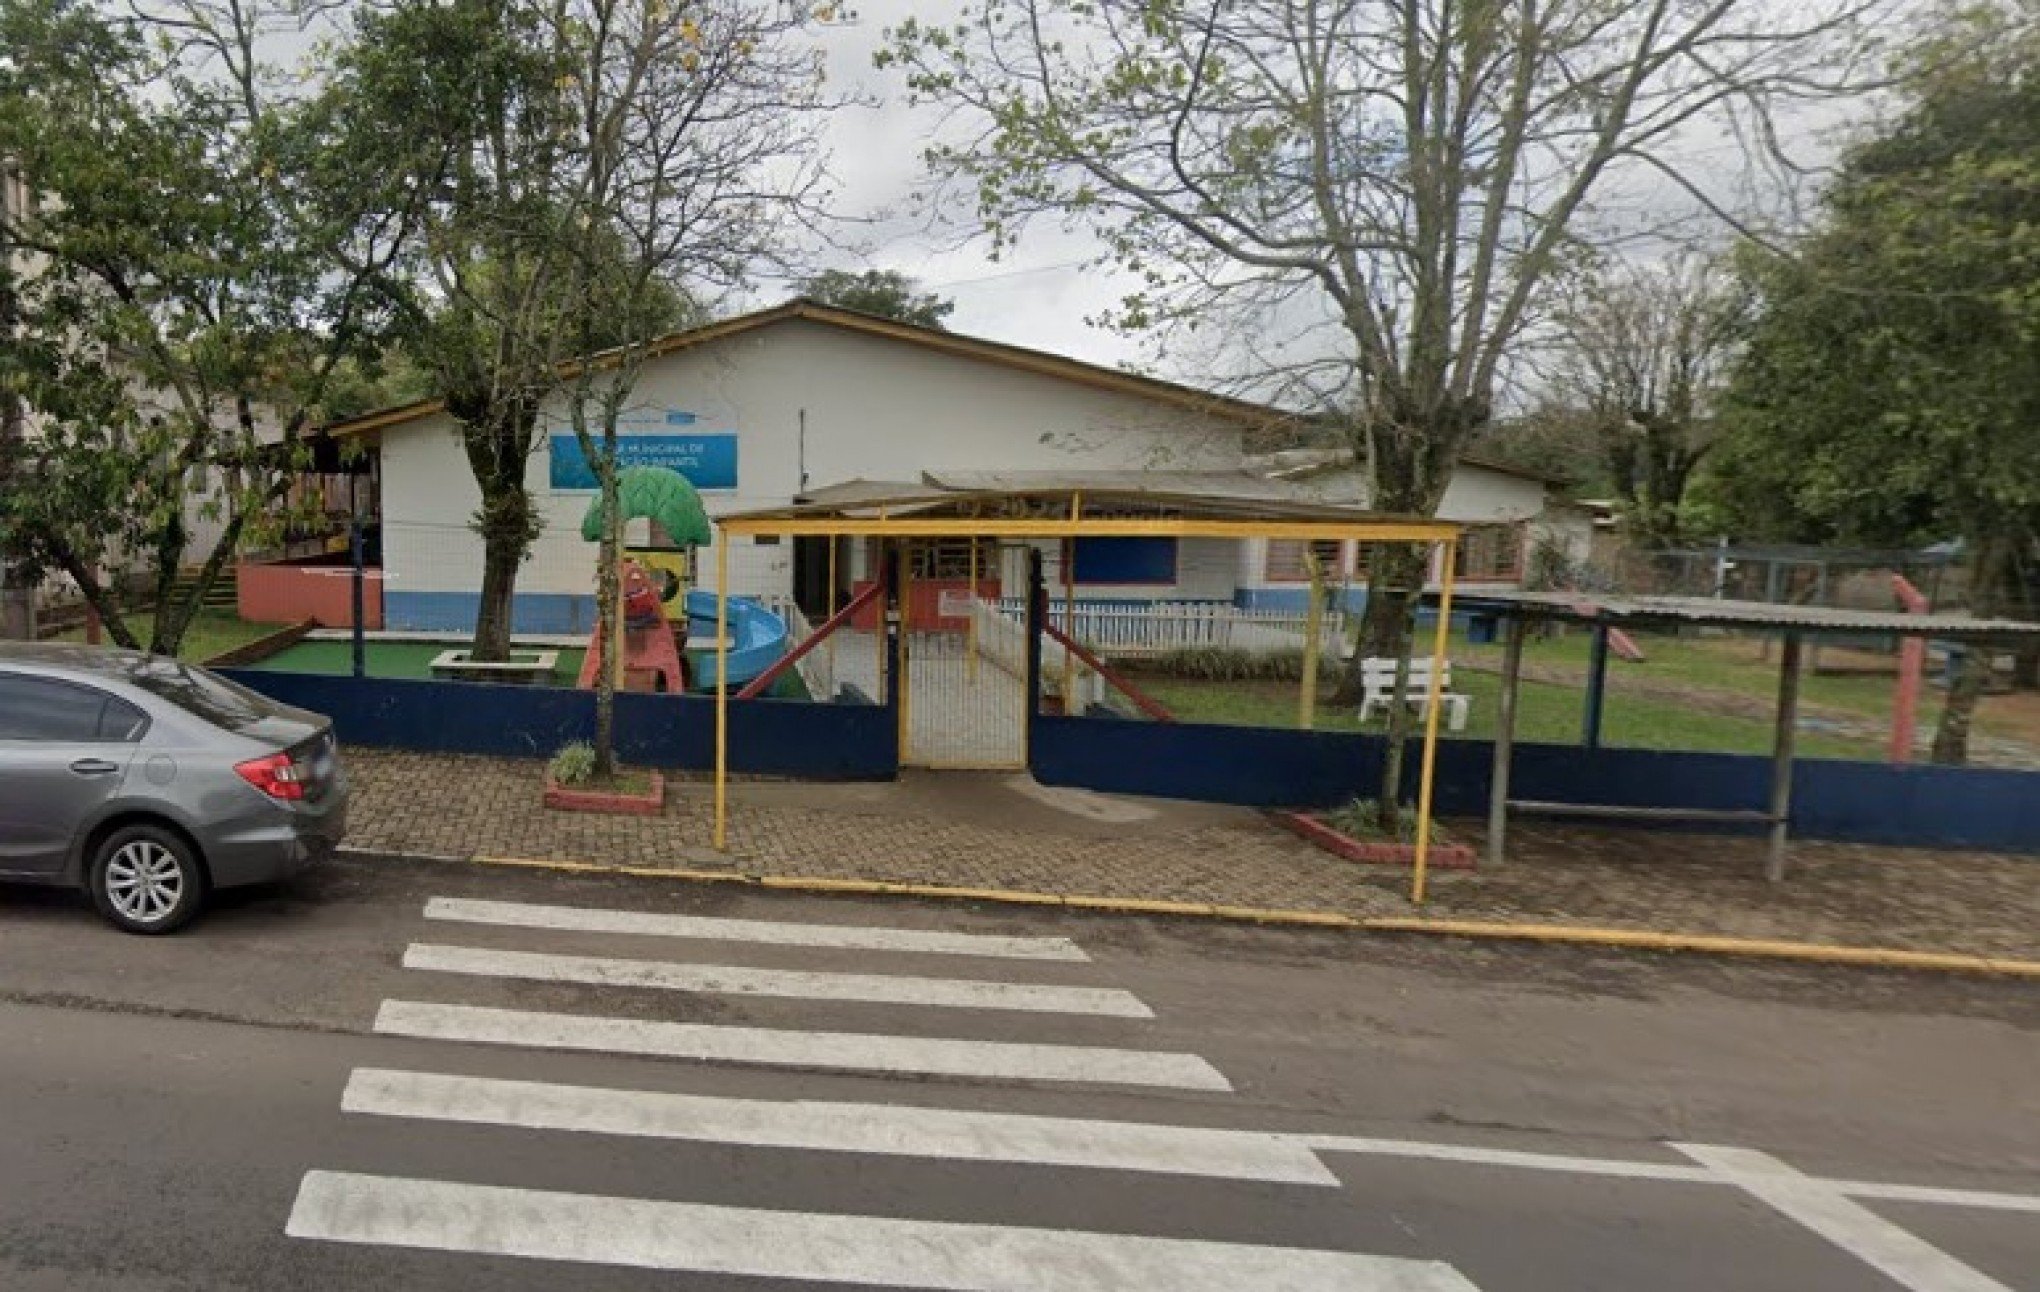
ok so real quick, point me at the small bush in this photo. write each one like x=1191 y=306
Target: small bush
x=574 y=764
x=1361 y=819
x=1223 y=664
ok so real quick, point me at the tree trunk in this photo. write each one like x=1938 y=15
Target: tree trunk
x=500 y=559
x=608 y=605
x=498 y=441
x=1987 y=578
x=1411 y=461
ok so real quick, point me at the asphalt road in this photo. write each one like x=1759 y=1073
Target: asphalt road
x=410 y=1075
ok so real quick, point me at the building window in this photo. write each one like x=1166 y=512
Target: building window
x=1124 y=560
x=1491 y=553
x=949 y=558
x=1286 y=563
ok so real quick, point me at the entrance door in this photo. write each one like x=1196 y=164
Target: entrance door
x=811 y=576
x=964 y=701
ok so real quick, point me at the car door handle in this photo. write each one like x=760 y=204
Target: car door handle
x=94 y=767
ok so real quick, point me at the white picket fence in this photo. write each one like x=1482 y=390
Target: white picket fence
x=817 y=668
x=1002 y=639
x=1122 y=631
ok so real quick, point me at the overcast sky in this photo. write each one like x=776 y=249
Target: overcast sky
x=1041 y=293
x=1036 y=296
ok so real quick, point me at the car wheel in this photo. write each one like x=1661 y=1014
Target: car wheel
x=146 y=880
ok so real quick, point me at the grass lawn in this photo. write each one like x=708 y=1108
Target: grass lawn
x=1545 y=714
x=210 y=633
x=1740 y=665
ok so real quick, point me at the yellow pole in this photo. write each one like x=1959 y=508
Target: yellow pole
x=1439 y=639
x=905 y=657
x=722 y=690
x=970 y=621
x=1069 y=564
x=1313 y=627
x=877 y=575
x=831 y=540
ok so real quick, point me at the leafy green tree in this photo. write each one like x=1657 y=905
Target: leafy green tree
x=1646 y=349
x=884 y=292
x=588 y=168
x=1412 y=176
x=1890 y=392
x=192 y=261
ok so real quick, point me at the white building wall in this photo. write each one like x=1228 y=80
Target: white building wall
x=1476 y=495
x=812 y=405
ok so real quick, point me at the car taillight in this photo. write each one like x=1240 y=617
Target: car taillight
x=275 y=776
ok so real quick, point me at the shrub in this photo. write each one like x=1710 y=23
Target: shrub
x=1361 y=819
x=574 y=764
x=1224 y=664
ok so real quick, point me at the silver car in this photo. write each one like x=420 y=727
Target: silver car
x=148 y=782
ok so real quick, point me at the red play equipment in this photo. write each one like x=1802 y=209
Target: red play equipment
x=652 y=644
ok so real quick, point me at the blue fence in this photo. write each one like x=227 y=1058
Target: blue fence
x=1857 y=802
x=844 y=742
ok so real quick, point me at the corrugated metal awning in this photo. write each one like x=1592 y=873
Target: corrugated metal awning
x=1588 y=608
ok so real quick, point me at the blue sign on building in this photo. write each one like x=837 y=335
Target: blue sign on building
x=708 y=461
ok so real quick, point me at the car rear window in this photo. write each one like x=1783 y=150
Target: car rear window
x=205 y=695
x=47 y=709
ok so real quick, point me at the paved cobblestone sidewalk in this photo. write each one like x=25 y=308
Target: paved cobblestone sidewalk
x=994 y=831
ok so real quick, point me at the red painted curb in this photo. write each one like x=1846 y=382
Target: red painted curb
x=650 y=803
x=1445 y=856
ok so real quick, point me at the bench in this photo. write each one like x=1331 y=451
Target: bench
x=1377 y=680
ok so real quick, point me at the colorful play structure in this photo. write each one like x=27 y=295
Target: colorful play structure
x=661 y=615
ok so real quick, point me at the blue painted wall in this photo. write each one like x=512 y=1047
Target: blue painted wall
x=1858 y=802
x=530 y=612
x=768 y=737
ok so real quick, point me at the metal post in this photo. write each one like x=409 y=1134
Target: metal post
x=903 y=658
x=1912 y=663
x=722 y=689
x=1597 y=688
x=354 y=552
x=970 y=650
x=831 y=541
x=1069 y=674
x=1037 y=611
x=884 y=633
x=1427 y=772
x=1505 y=742
x=1313 y=628
x=1781 y=758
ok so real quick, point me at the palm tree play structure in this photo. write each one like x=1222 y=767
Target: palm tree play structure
x=661 y=614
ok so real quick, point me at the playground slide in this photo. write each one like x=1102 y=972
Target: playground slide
x=757 y=639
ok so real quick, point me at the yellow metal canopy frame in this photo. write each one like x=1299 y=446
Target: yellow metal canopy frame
x=1239 y=518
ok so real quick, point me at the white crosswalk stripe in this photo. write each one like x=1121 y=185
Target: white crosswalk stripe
x=829 y=1246
x=880 y=989
x=579 y=919
x=446 y=1216
x=838 y=1127
x=854 y=1051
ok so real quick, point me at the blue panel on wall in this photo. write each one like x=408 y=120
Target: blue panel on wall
x=767 y=737
x=1124 y=560
x=1859 y=802
x=708 y=461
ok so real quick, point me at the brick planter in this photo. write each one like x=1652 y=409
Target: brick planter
x=567 y=799
x=1312 y=828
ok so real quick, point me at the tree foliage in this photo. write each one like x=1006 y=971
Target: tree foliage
x=1645 y=352
x=1890 y=392
x=193 y=268
x=1412 y=176
x=887 y=293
